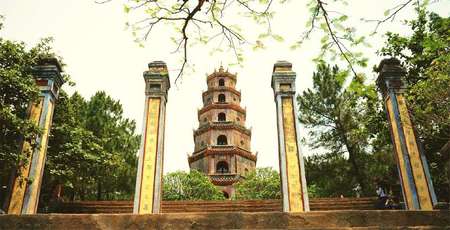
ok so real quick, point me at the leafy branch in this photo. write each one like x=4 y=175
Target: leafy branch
x=191 y=18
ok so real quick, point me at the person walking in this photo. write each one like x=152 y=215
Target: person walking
x=382 y=196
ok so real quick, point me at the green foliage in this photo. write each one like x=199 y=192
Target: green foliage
x=346 y=120
x=92 y=149
x=261 y=184
x=328 y=174
x=189 y=186
x=340 y=39
x=426 y=56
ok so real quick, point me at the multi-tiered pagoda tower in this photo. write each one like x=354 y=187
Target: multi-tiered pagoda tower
x=222 y=142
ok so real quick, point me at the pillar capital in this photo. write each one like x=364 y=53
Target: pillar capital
x=391 y=76
x=156 y=78
x=48 y=76
x=283 y=78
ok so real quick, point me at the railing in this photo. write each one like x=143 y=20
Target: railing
x=224 y=178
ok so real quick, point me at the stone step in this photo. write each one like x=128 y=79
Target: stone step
x=373 y=219
x=216 y=206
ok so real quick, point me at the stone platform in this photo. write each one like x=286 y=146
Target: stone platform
x=235 y=220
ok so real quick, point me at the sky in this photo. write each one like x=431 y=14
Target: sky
x=100 y=54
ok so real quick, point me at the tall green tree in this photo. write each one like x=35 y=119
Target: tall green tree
x=92 y=149
x=343 y=115
x=426 y=56
x=104 y=118
x=260 y=184
x=192 y=185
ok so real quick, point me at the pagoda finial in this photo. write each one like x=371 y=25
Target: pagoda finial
x=221 y=67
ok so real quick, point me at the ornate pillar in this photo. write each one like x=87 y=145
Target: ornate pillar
x=25 y=188
x=150 y=166
x=292 y=170
x=418 y=192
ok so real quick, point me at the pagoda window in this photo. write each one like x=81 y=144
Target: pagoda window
x=221 y=97
x=222 y=167
x=221 y=117
x=222 y=140
x=221 y=82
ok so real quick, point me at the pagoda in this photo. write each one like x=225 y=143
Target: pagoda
x=222 y=142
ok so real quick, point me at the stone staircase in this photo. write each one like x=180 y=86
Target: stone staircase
x=316 y=204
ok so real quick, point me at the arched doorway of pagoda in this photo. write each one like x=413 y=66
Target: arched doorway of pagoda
x=221 y=98
x=221 y=82
x=221 y=117
x=222 y=167
x=222 y=140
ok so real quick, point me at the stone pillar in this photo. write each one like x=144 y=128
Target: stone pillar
x=150 y=166
x=25 y=188
x=418 y=192
x=292 y=169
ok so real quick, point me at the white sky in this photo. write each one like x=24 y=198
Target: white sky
x=101 y=55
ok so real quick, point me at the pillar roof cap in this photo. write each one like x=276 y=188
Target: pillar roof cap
x=156 y=69
x=156 y=64
x=285 y=65
x=50 y=61
x=390 y=65
x=49 y=67
x=390 y=75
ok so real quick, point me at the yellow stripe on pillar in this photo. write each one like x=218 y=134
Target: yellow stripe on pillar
x=292 y=161
x=150 y=148
x=35 y=188
x=399 y=153
x=414 y=157
x=20 y=184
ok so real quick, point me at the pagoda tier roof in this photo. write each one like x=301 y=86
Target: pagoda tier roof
x=221 y=150
x=222 y=88
x=222 y=105
x=221 y=74
x=222 y=125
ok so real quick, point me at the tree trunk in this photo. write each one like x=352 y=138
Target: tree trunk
x=352 y=157
x=57 y=192
x=99 y=190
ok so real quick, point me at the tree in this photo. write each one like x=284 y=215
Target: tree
x=261 y=184
x=344 y=119
x=189 y=186
x=426 y=57
x=104 y=118
x=92 y=149
x=328 y=175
